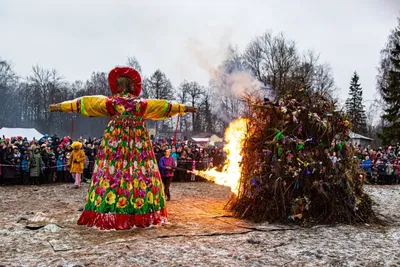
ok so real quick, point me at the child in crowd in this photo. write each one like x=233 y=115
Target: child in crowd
x=67 y=174
x=61 y=168
x=25 y=169
x=374 y=174
x=52 y=165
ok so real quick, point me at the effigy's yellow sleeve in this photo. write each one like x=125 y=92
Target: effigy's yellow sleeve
x=91 y=106
x=157 y=109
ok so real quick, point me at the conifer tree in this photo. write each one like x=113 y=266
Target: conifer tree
x=389 y=86
x=158 y=86
x=354 y=106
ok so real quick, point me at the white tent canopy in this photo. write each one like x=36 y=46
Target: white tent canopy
x=29 y=133
x=201 y=140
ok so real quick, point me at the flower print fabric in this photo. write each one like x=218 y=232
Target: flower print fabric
x=126 y=189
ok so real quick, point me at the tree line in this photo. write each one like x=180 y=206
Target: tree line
x=269 y=66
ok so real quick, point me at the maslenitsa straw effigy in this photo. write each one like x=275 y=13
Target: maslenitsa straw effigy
x=297 y=164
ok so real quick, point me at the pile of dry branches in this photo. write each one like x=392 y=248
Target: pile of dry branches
x=298 y=165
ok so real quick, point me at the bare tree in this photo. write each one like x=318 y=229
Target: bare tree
x=45 y=86
x=195 y=93
x=7 y=74
x=9 y=92
x=323 y=81
x=276 y=62
x=210 y=122
x=134 y=63
x=183 y=97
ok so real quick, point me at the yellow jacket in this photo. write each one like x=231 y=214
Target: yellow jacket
x=76 y=162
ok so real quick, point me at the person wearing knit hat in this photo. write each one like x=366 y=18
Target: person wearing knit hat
x=126 y=189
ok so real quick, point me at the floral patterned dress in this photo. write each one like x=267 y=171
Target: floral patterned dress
x=126 y=189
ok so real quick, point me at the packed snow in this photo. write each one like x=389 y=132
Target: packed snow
x=38 y=228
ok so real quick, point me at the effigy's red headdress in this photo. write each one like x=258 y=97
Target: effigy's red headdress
x=125 y=72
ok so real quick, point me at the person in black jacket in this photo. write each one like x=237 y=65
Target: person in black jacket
x=9 y=170
x=51 y=167
x=158 y=153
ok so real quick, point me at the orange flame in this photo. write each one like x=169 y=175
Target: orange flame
x=231 y=172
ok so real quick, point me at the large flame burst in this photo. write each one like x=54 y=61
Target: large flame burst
x=230 y=175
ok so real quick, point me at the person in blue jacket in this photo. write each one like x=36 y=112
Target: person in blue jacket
x=367 y=167
x=61 y=168
x=25 y=169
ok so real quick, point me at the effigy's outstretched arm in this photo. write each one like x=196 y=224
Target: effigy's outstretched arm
x=91 y=106
x=157 y=109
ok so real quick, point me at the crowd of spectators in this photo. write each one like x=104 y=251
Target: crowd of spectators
x=189 y=156
x=41 y=161
x=382 y=166
x=44 y=161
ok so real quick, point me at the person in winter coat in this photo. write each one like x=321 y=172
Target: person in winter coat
x=18 y=172
x=25 y=168
x=68 y=148
x=158 y=153
x=381 y=164
x=36 y=164
x=92 y=159
x=9 y=170
x=56 y=143
x=367 y=167
x=76 y=163
x=61 y=168
x=64 y=142
x=17 y=153
x=68 y=176
x=17 y=160
x=86 y=168
x=174 y=154
x=58 y=152
x=45 y=158
x=51 y=165
x=167 y=165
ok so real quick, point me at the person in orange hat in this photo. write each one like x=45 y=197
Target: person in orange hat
x=126 y=189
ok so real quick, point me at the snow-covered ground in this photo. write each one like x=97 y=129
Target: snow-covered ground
x=200 y=233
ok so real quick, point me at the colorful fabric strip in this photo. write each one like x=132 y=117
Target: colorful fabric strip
x=143 y=106
x=165 y=108
x=169 y=109
x=110 y=106
x=82 y=106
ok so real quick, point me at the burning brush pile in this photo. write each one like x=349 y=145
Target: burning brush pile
x=291 y=161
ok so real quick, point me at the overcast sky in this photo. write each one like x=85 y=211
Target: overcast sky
x=79 y=37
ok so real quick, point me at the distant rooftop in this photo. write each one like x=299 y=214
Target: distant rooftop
x=359 y=136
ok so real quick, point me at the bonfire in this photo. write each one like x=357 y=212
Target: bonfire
x=291 y=161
